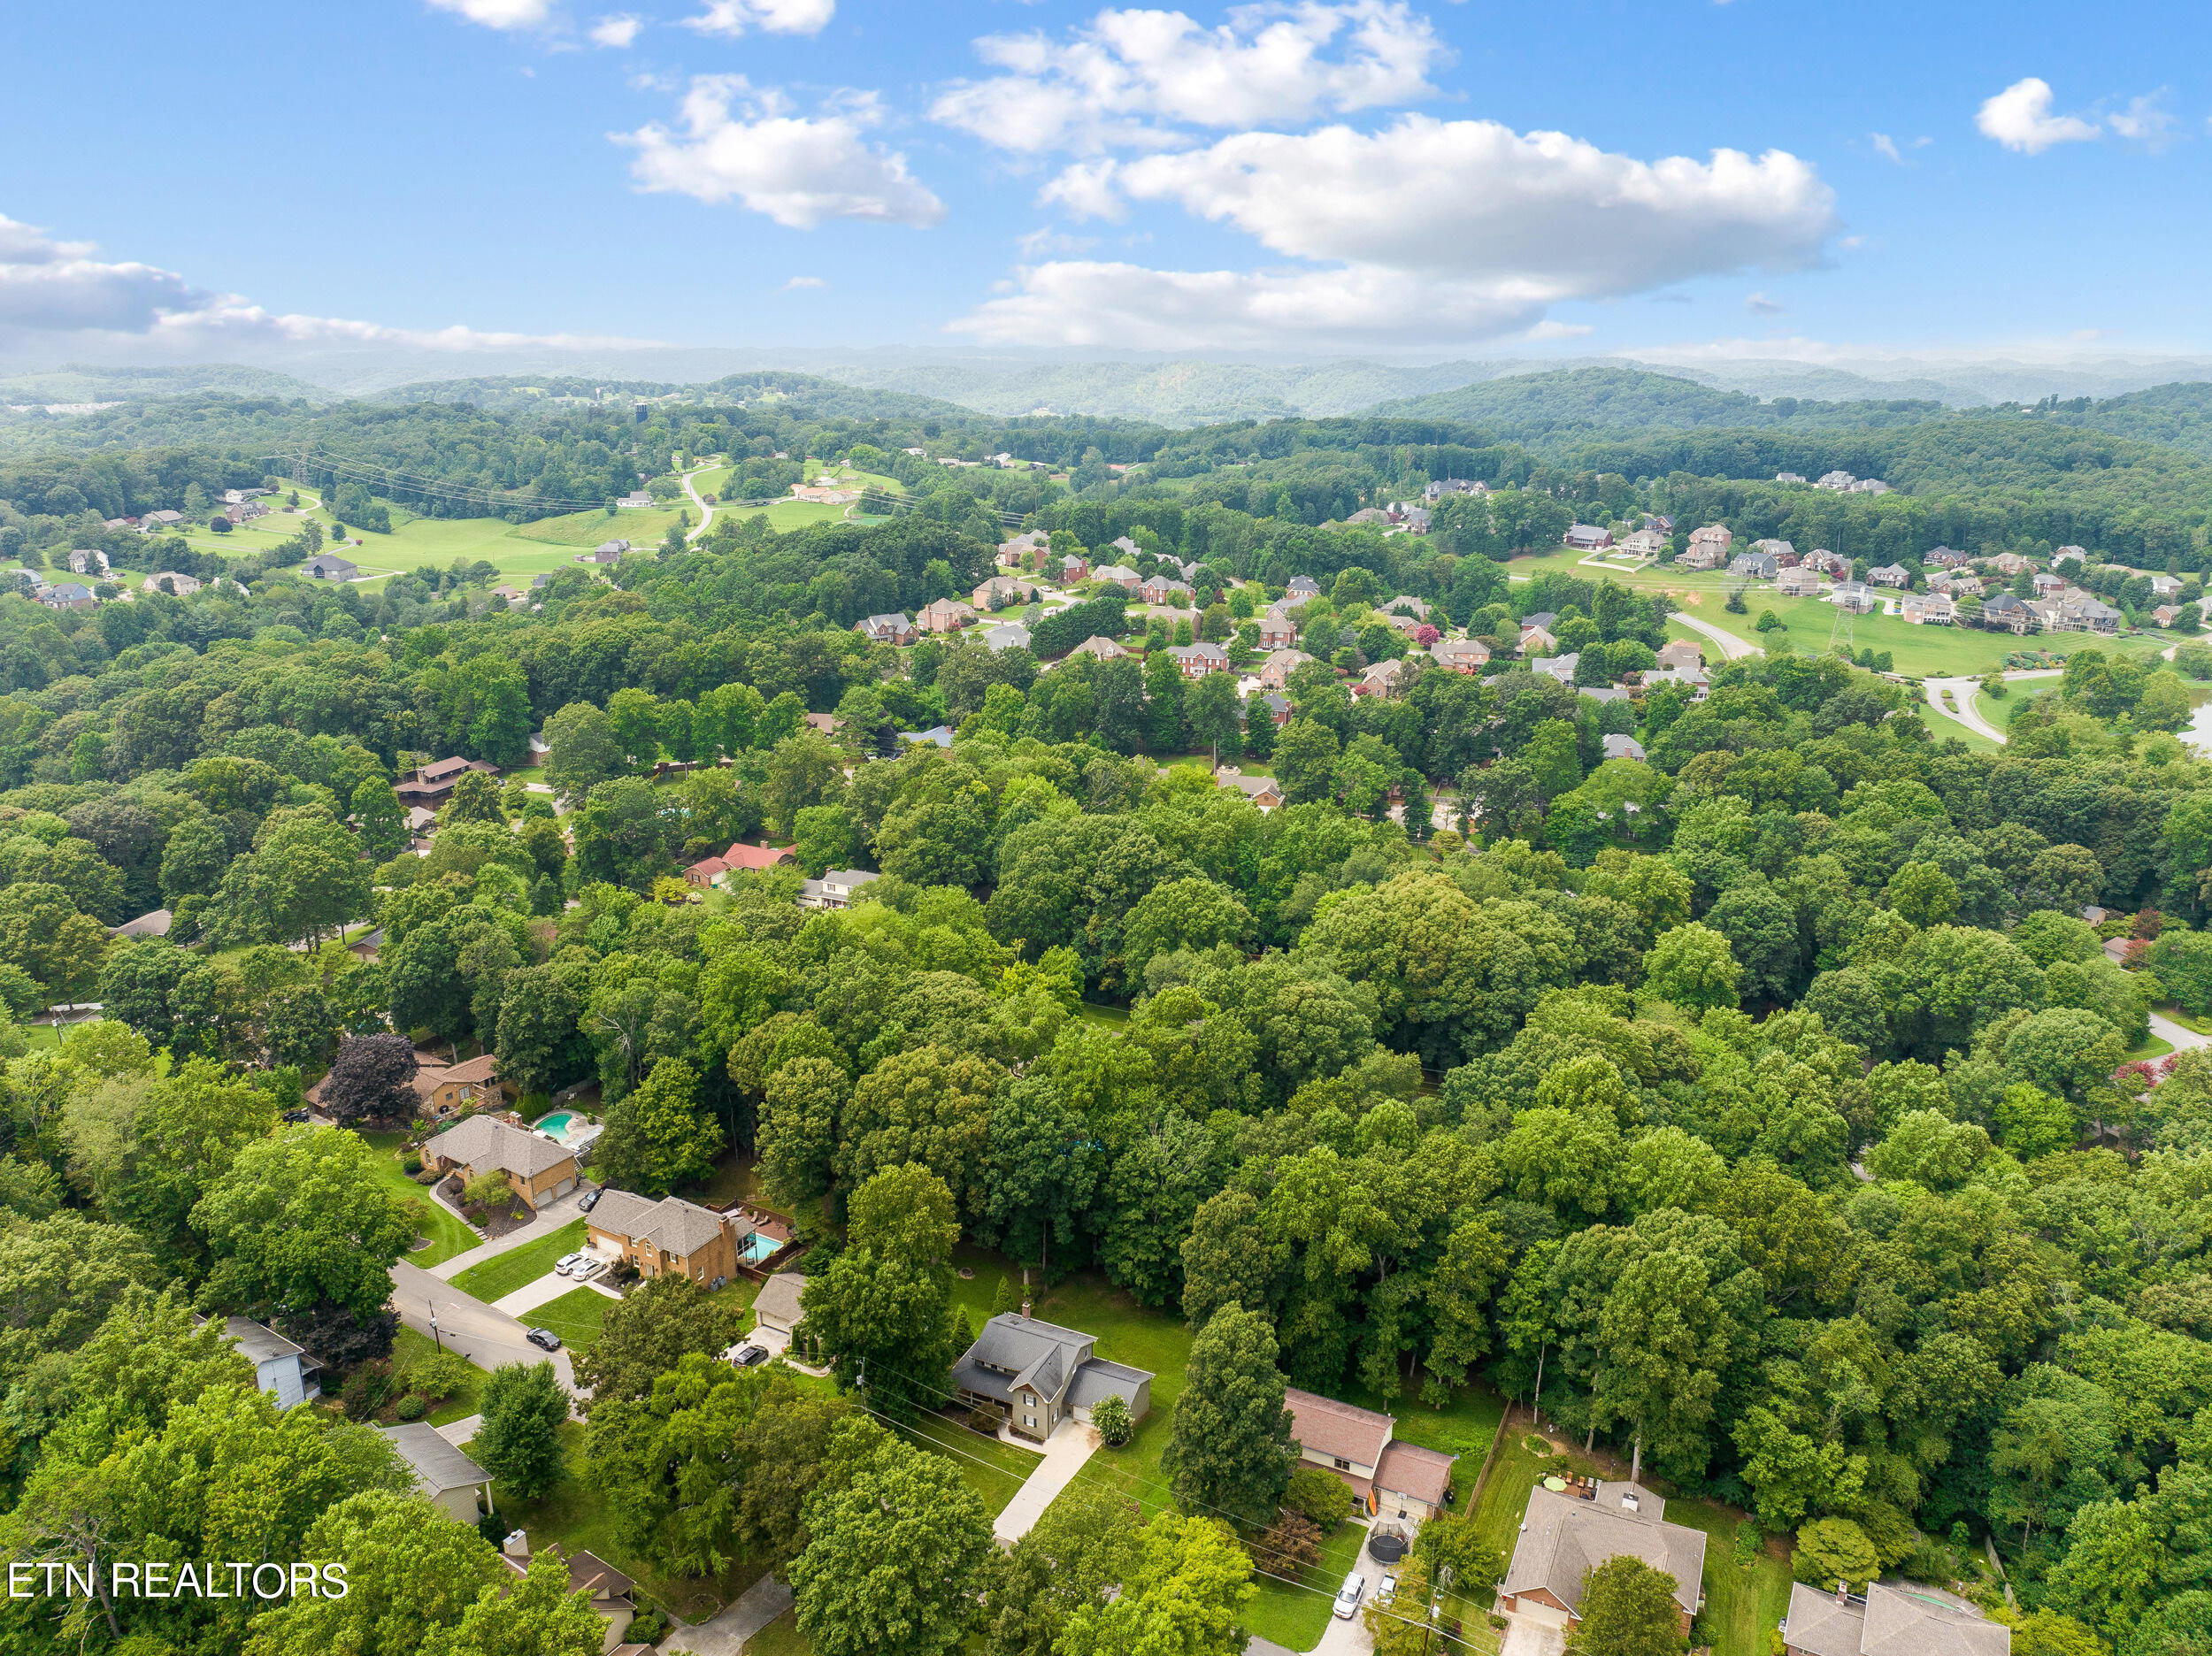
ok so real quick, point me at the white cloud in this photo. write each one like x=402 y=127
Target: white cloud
x=1045 y=240
x=745 y=145
x=734 y=18
x=1759 y=304
x=499 y=14
x=1436 y=229
x=1548 y=330
x=50 y=287
x=1130 y=77
x=2145 y=121
x=2020 y=119
x=618 y=31
x=1884 y=144
x=799 y=282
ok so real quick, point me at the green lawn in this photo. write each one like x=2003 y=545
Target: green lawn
x=577 y=1517
x=994 y=1469
x=1743 y=1606
x=2187 y=1020
x=780 y=1637
x=518 y=1268
x=411 y=1347
x=448 y=1234
x=2150 y=1046
x=575 y=1316
x=585 y=529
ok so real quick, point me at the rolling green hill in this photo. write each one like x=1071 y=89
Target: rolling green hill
x=1543 y=408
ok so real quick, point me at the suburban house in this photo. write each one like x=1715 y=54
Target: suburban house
x=430 y=784
x=446 y=1090
x=1280 y=666
x=836 y=888
x=2010 y=562
x=165 y=518
x=1693 y=682
x=1754 y=565
x=1104 y=649
x=284 y=1370
x=1005 y=635
x=710 y=871
x=1709 y=546
x=538 y=1170
x=1277 y=706
x=1301 y=588
x=1195 y=660
x=1560 y=667
x=1789 y=477
x=2166 y=615
x=1957 y=585
x=1923 y=609
x=609 y=1587
x=1890 y=575
x=1276 y=631
x=2080 y=555
x=1001 y=590
x=169 y=581
x=87 y=561
x=153 y=924
x=1781 y=551
x=1161 y=590
x=330 y=566
x=1391 y=1478
x=1825 y=560
x=1682 y=655
x=1037 y=1375
x=2089 y=614
x=456 y=1484
x=1904 y=1617
x=1073 y=568
x=1566 y=1532
x=1623 y=747
x=1797 y=583
x=66 y=595
x=1644 y=543
x=1588 y=537
x=2047 y=582
x=1017 y=550
x=1856 y=596
x=1383 y=679
x=1261 y=791
x=1945 y=557
x=674 y=1238
x=947 y=615
x=1534 y=638
x=1439 y=487
x=1127 y=547
x=1460 y=655
x=936 y=736
x=886 y=629
x=1119 y=575
x=2003 y=610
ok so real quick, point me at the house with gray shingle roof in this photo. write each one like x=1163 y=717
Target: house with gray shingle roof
x=674 y=1238
x=449 y=1478
x=1037 y=1375
x=1568 y=1532
x=539 y=1169
x=1892 y=1619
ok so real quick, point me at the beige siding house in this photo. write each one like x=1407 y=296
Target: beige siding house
x=538 y=1170
x=1566 y=1532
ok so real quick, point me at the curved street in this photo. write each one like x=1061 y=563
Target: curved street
x=1731 y=647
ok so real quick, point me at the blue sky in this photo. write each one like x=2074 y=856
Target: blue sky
x=1360 y=175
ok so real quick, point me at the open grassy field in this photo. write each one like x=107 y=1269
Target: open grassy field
x=517 y=1268
x=448 y=1234
x=587 y=529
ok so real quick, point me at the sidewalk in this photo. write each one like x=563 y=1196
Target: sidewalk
x=551 y=1218
x=1065 y=1452
x=724 y=1633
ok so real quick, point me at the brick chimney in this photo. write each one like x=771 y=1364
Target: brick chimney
x=1024 y=1310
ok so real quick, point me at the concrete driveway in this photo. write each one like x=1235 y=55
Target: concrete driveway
x=1070 y=1444
x=726 y=1633
x=485 y=1335
x=1525 y=1635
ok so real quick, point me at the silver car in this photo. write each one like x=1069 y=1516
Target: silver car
x=568 y=1264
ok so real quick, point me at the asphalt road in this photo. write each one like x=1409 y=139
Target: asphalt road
x=485 y=1336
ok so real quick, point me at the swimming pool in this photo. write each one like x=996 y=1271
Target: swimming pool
x=557 y=1124
x=757 y=1248
x=570 y=1128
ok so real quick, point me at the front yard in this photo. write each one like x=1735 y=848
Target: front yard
x=575 y=1316
x=518 y=1268
x=449 y=1234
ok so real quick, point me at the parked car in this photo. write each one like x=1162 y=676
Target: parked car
x=568 y=1264
x=546 y=1339
x=588 y=1269
x=1386 y=1590
x=297 y=1115
x=590 y=1201
x=1348 y=1597
x=748 y=1356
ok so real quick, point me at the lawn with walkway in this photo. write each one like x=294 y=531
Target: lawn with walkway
x=993 y=1467
x=448 y=1234
x=497 y=1277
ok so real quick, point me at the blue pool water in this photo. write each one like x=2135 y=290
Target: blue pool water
x=556 y=1124
x=757 y=1248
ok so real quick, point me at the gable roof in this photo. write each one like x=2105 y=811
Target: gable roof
x=437 y=1465
x=1341 y=1430
x=1900 y=1619
x=778 y=1299
x=670 y=1224
x=741 y=855
x=1564 y=1536
x=1410 y=1469
x=258 y=1343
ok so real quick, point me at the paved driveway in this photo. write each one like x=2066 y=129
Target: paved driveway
x=1070 y=1444
x=726 y=1633
x=1525 y=1635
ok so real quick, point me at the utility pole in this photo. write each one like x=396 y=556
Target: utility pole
x=434 y=1338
